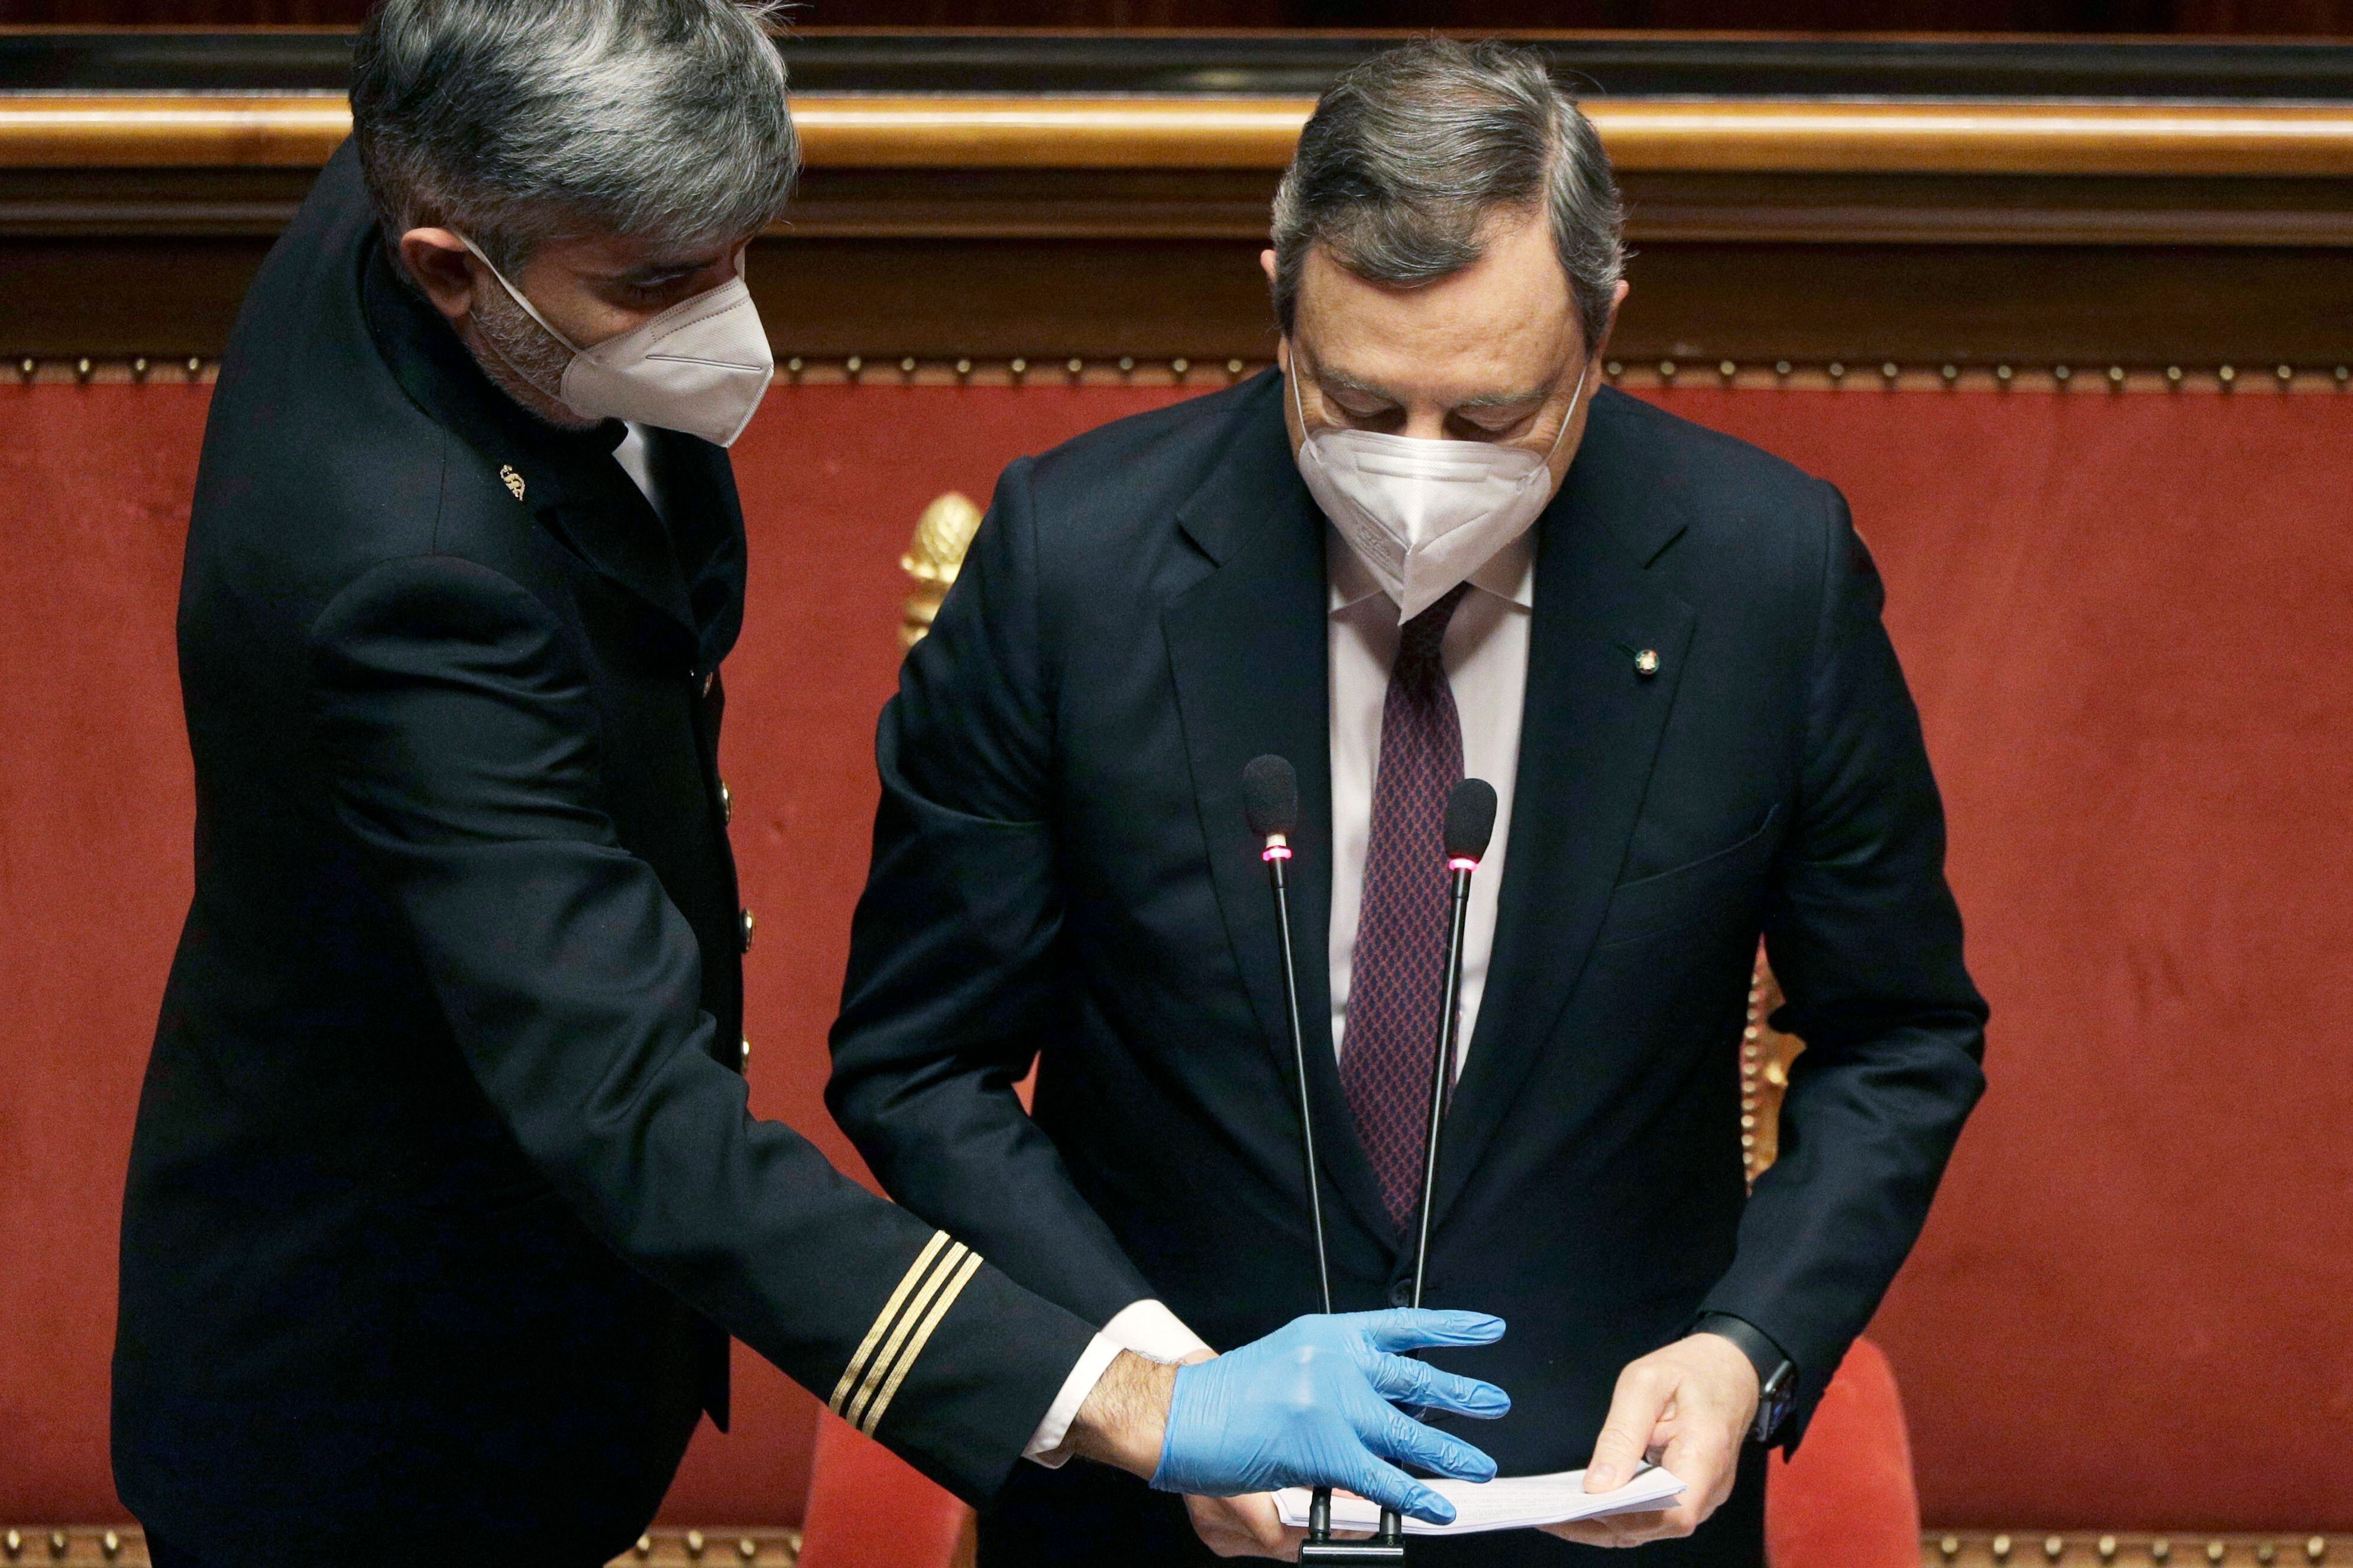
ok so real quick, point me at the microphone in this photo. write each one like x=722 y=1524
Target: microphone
x=1270 y=806
x=1469 y=825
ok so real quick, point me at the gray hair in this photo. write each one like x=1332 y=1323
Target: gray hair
x=1409 y=154
x=519 y=120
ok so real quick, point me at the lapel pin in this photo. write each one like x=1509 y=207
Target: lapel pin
x=1646 y=663
x=515 y=481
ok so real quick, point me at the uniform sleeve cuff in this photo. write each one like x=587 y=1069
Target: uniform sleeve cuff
x=1045 y=1443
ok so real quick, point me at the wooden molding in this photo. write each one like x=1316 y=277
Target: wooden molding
x=299 y=130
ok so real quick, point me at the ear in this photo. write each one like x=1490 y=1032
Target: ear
x=1609 y=330
x=442 y=267
x=1266 y=265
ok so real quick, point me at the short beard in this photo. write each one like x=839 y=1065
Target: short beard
x=523 y=358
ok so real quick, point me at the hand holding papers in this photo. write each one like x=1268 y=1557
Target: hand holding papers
x=1510 y=1502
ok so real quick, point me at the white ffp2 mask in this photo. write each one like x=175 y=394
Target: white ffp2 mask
x=702 y=367
x=1423 y=515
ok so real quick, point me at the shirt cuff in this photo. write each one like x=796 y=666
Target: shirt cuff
x=1147 y=1328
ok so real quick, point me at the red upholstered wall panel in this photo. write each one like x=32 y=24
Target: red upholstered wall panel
x=2126 y=617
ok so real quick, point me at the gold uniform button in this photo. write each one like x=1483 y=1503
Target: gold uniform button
x=749 y=923
x=1646 y=663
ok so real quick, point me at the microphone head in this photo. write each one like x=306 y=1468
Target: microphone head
x=1470 y=819
x=1271 y=796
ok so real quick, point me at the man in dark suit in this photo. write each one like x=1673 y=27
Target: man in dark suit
x=1429 y=547
x=444 y=1196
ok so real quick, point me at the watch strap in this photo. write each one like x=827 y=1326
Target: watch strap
x=1777 y=1375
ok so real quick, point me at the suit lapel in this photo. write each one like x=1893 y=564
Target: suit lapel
x=1589 y=736
x=1248 y=651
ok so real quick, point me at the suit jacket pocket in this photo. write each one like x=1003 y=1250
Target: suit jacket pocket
x=1689 y=893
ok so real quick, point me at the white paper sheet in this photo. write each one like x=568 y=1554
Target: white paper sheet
x=1507 y=1502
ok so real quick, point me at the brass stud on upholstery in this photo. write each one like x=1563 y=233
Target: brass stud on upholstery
x=963 y=367
x=1180 y=365
x=2285 y=373
x=1075 y=366
x=1782 y=367
x=111 y=1544
x=1950 y=1547
x=2344 y=373
x=793 y=367
x=748 y=1549
x=27 y=368
x=1951 y=372
x=1127 y=364
x=1889 y=371
x=2062 y=374
x=57 y=1544
x=2227 y=374
x=1727 y=369
x=1233 y=367
x=1019 y=367
x=2266 y=1553
x=13 y=1542
x=2158 y=1551
x=695 y=1543
x=139 y=369
x=81 y=369
x=1613 y=370
x=2108 y=1549
x=2001 y=1548
x=1837 y=371
x=645 y=1546
x=2215 y=1550
x=2053 y=1547
x=1666 y=369
x=854 y=365
x=2115 y=375
x=2002 y=373
x=2173 y=375
x=2315 y=1550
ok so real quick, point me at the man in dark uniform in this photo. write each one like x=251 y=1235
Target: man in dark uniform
x=445 y=1195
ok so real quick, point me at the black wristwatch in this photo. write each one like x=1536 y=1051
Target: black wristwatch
x=1777 y=1375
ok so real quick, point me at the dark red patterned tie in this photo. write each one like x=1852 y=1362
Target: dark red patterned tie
x=1398 y=976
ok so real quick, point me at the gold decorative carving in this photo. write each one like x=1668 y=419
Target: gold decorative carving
x=934 y=559
x=1766 y=1054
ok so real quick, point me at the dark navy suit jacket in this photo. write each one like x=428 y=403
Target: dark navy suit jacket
x=1062 y=873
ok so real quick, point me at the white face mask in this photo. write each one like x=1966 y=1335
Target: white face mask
x=1424 y=515
x=702 y=367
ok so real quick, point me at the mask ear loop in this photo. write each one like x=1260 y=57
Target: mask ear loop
x=520 y=298
x=1568 y=418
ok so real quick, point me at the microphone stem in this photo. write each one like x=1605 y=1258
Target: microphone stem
x=1319 y=1504
x=1299 y=1058
x=1441 y=1076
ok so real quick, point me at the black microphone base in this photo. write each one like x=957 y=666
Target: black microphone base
x=1352 y=1554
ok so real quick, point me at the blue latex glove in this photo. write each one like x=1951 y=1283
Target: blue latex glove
x=1310 y=1404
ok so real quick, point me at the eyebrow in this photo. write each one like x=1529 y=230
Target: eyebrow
x=665 y=269
x=1342 y=380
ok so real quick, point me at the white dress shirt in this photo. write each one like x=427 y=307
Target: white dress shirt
x=1486 y=659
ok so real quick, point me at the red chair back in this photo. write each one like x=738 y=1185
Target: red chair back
x=869 y=1508
x=1847 y=1500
